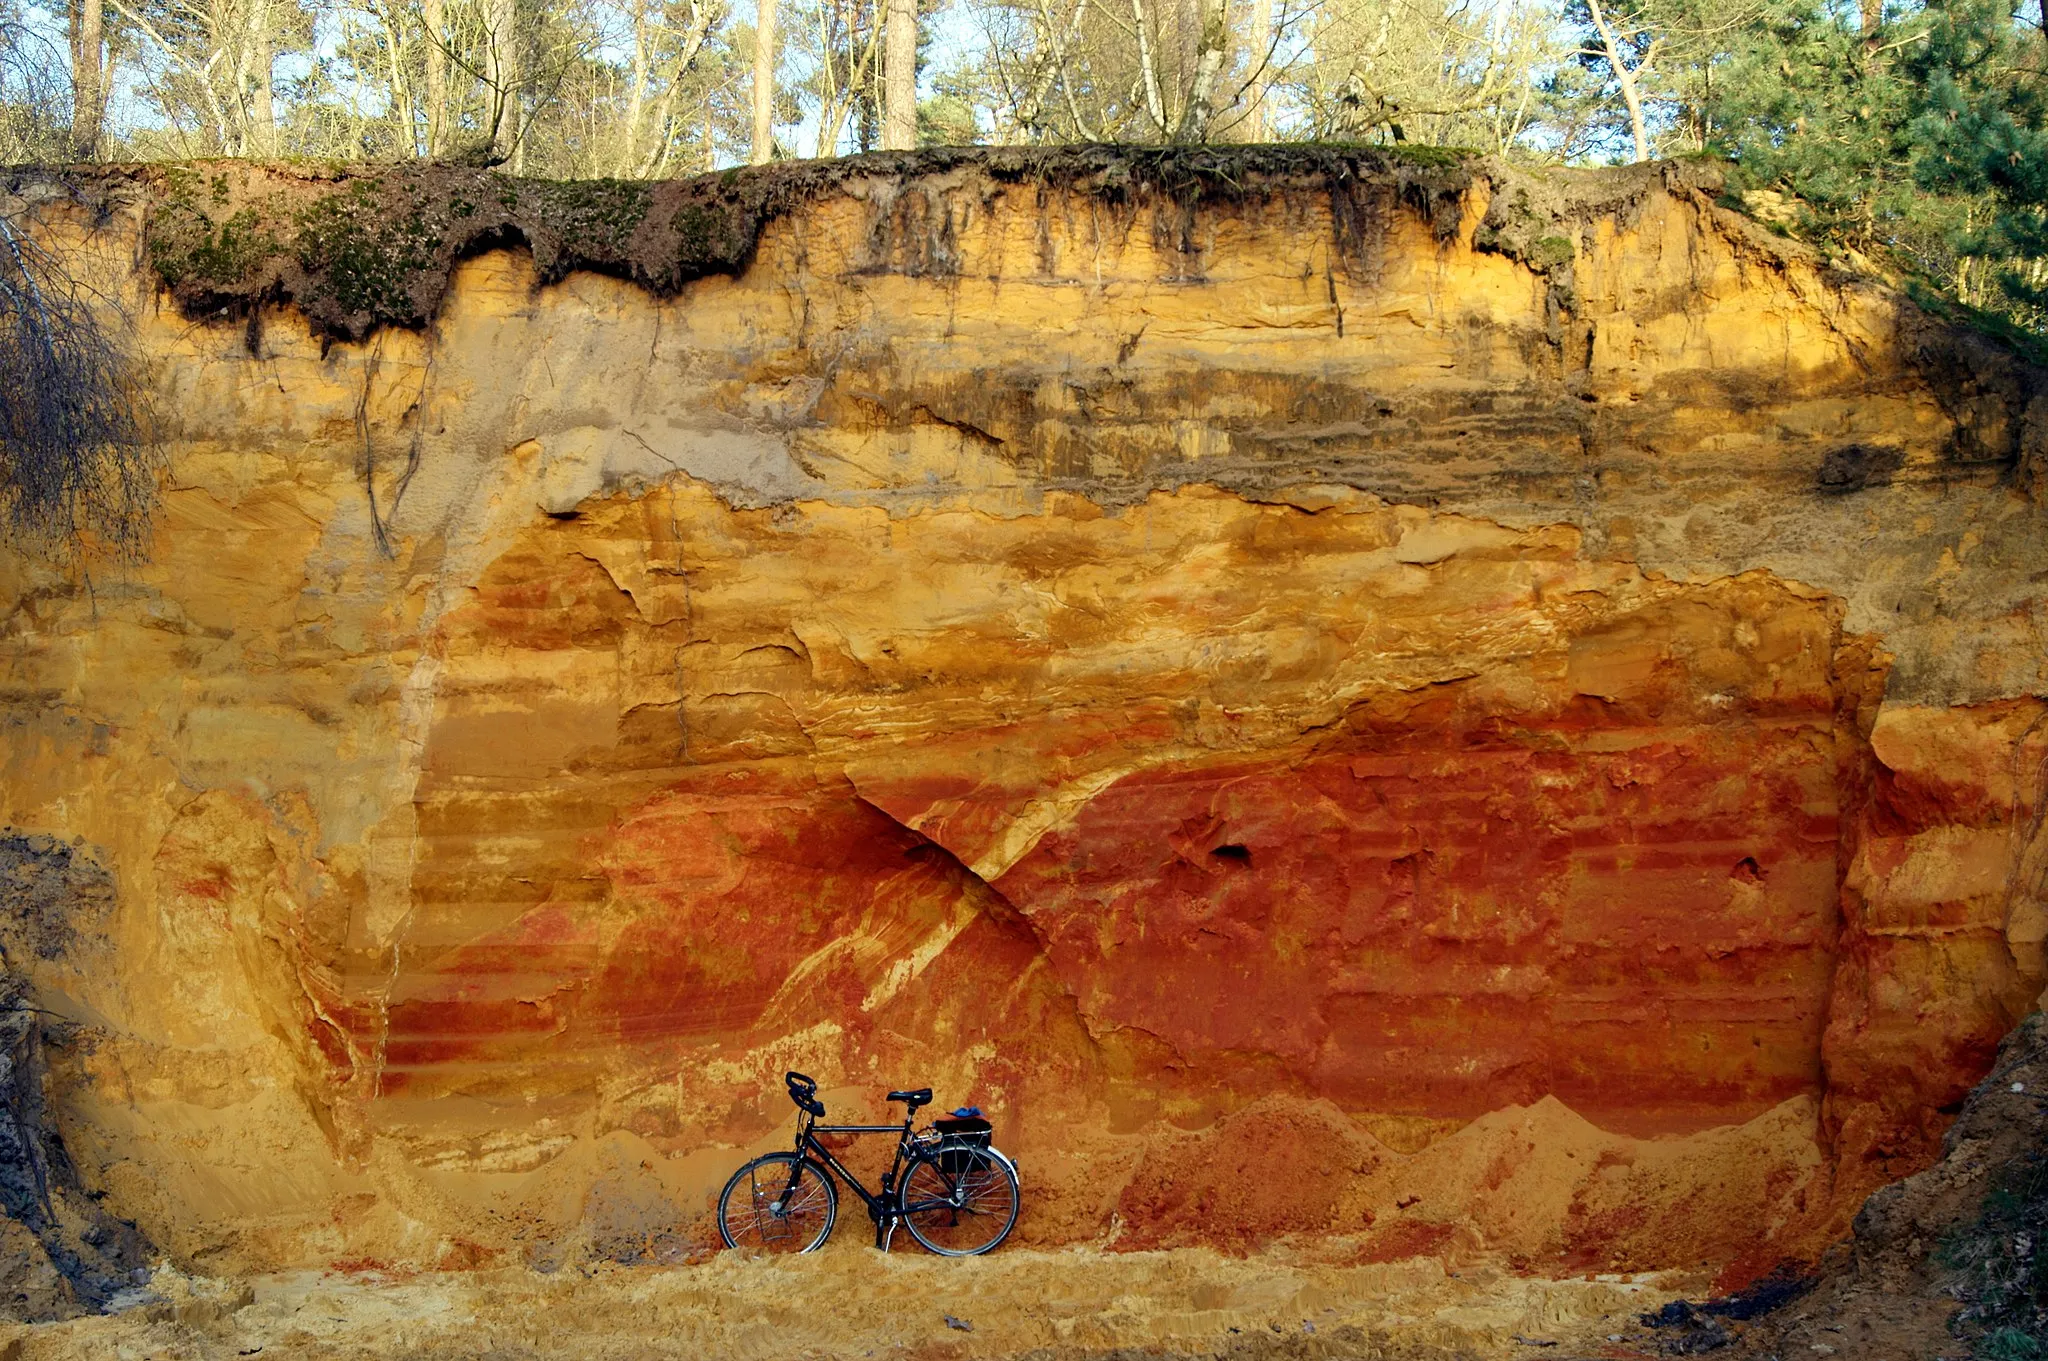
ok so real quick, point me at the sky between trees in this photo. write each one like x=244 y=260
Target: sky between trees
x=1913 y=126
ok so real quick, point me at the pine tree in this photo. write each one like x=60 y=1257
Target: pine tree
x=1982 y=131
x=1813 y=102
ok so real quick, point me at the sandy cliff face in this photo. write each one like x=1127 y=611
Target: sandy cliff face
x=1322 y=728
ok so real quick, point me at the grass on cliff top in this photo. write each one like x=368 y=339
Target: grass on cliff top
x=2031 y=345
x=358 y=248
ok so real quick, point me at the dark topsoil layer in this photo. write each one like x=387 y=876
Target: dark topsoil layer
x=357 y=247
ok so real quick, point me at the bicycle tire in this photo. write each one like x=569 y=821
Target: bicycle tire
x=747 y=1217
x=963 y=1213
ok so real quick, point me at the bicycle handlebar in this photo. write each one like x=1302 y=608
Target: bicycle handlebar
x=804 y=1092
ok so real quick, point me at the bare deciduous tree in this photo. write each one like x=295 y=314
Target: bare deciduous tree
x=36 y=119
x=1258 y=119
x=502 y=76
x=662 y=60
x=77 y=464
x=845 y=41
x=1440 y=72
x=209 y=67
x=1136 y=70
x=434 y=18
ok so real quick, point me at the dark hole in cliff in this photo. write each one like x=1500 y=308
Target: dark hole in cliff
x=1748 y=871
x=1233 y=851
x=1854 y=467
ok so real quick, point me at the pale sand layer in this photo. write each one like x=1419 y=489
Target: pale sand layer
x=850 y=1301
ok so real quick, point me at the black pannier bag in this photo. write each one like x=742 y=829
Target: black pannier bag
x=958 y=1133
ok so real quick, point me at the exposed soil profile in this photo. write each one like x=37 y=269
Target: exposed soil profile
x=1448 y=757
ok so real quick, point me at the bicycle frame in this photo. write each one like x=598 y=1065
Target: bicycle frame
x=886 y=1208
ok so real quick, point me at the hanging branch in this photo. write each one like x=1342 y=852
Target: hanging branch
x=77 y=460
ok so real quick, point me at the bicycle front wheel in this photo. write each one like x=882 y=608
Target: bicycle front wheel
x=960 y=1201
x=778 y=1203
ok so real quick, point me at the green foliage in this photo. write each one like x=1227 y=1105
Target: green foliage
x=1422 y=154
x=2032 y=344
x=197 y=246
x=1918 y=132
x=1807 y=103
x=1982 y=132
x=2003 y=1262
x=1549 y=253
x=946 y=120
x=219 y=251
x=599 y=215
x=2010 y=1344
x=368 y=254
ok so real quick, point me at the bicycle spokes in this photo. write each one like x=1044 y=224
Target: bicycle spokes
x=947 y=1185
x=781 y=1209
x=775 y=1205
x=963 y=1211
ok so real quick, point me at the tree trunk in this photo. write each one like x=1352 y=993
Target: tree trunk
x=503 y=70
x=1030 y=111
x=1148 y=68
x=262 y=136
x=1210 y=45
x=764 y=84
x=899 y=75
x=665 y=130
x=434 y=16
x=88 y=77
x=636 y=95
x=1626 y=78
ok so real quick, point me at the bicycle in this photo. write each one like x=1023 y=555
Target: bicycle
x=956 y=1194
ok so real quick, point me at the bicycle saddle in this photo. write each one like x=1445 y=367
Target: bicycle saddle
x=921 y=1097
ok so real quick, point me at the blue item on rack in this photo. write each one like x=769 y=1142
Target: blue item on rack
x=968 y=1113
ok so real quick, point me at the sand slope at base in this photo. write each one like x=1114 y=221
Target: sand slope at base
x=850 y=1301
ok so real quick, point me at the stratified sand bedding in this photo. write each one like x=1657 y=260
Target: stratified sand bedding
x=850 y=1301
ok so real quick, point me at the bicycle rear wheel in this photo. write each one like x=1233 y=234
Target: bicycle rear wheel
x=960 y=1202
x=778 y=1203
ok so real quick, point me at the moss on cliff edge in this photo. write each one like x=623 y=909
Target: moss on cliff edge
x=357 y=247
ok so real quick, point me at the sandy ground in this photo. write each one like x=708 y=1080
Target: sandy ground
x=850 y=1301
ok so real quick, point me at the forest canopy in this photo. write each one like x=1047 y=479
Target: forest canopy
x=1916 y=130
